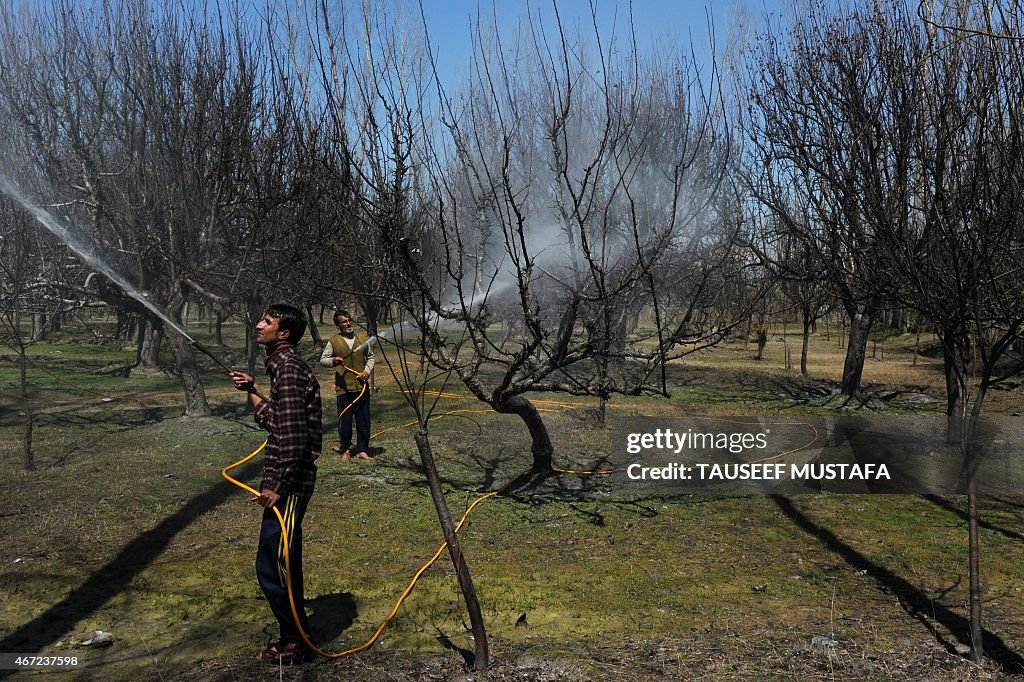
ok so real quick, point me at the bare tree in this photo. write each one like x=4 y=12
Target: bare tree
x=891 y=149
x=584 y=184
x=372 y=84
x=959 y=260
x=35 y=292
x=830 y=135
x=158 y=134
x=19 y=267
x=802 y=281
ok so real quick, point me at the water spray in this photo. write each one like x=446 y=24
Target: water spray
x=365 y=345
x=88 y=254
x=84 y=250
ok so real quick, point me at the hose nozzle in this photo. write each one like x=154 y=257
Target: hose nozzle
x=206 y=351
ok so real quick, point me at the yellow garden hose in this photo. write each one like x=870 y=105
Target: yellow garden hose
x=287 y=562
x=287 y=554
x=412 y=583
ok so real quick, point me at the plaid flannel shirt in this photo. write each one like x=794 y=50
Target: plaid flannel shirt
x=292 y=416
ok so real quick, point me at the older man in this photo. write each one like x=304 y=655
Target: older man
x=351 y=355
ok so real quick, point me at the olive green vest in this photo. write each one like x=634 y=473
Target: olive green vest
x=343 y=379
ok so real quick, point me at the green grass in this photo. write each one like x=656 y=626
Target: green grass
x=128 y=501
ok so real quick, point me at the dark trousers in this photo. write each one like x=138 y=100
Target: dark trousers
x=361 y=413
x=270 y=566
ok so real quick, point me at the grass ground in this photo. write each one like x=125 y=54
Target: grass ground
x=126 y=526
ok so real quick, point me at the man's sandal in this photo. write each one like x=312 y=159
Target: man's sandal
x=285 y=654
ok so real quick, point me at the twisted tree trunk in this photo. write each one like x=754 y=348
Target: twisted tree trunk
x=541 y=446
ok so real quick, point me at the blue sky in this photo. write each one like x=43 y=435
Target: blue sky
x=655 y=21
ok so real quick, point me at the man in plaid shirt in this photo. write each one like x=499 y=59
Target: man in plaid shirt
x=292 y=416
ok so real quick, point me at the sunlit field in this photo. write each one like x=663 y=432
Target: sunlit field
x=126 y=526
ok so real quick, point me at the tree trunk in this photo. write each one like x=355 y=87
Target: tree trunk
x=856 y=350
x=39 y=327
x=973 y=536
x=623 y=323
x=602 y=375
x=762 y=341
x=314 y=333
x=374 y=310
x=252 y=316
x=974 y=561
x=218 y=327
x=787 y=360
x=147 y=351
x=191 y=382
x=541 y=442
x=954 y=391
x=30 y=458
x=805 y=344
x=476 y=619
x=899 y=320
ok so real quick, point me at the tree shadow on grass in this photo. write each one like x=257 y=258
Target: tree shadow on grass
x=575 y=490
x=330 y=615
x=944 y=503
x=475 y=473
x=914 y=601
x=112 y=578
x=235 y=411
x=796 y=390
x=468 y=656
x=1016 y=502
x=108 y=418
